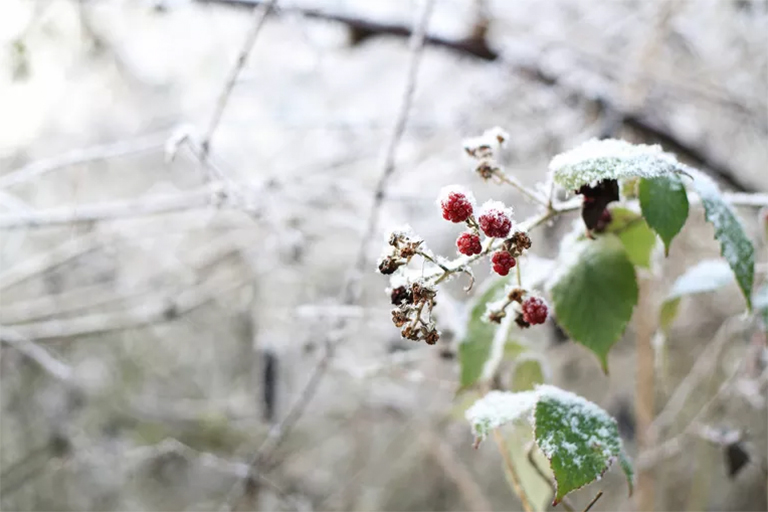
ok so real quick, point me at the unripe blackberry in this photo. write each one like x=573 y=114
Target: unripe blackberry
x=456 y=203
x=495 y=220
x=468 y=243
x=534 y=310
x=502 y=262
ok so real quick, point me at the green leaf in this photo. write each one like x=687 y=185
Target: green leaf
x=705 y=276
x=475 y=348
x=594 y=293
x=665 y=205
x=528 y=373
x=735 y=246
x=635 y=234
x=579 y=438
x=610 y=159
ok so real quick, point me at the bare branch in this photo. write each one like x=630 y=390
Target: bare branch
x=39 y=168
x=55 y=368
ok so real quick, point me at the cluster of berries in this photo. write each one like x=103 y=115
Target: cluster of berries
x=494 y=220
x=405 y=245
x=411 y=302
x=533 y=310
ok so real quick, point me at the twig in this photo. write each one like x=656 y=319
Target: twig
x=565 y=501
x=515 y=183
x=260 y=13
x=514 y=479
x=198 y=198
x=55 y=368
x=594 y=500
x=349 y=296
x=38 y=168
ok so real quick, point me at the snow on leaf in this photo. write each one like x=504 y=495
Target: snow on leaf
x=597 y=160
x=735 y=246
x=579 y=438
x=498 y=408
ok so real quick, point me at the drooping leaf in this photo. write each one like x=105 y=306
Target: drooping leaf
x=633 y=231
x=735 y=246
x=579 y=438
x=527 y=374
x=705 y=276
x=736 y=457
x=609 y=159
x=596 y=199
x=665 y=205
x=594 y=293
x=475 y=348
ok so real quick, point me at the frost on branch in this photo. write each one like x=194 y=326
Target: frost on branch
x=610 y=159
x=579 y=438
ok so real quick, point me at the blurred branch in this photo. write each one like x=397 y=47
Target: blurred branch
x=514 y=479
x=55 y=368
x=350 y=293
x=648 y=128
x=39 y=168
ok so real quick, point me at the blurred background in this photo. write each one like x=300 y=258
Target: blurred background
x=177 y=258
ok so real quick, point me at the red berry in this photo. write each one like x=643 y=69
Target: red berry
x=456 y=204
x=469 y=244
x=495 y=221
x=534 y=310
x=502 y=262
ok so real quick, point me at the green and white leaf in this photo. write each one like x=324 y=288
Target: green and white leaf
x=579 y=439
x=664 y=203
x=597 y=160
x=705 y=276
x=594 y=292
x=475 y=347
x=735 y=245
x=635 y=234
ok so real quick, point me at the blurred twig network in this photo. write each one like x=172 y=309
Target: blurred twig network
x=194 y=195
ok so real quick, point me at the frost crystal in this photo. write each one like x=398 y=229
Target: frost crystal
x=597 y=160
x=497 y=408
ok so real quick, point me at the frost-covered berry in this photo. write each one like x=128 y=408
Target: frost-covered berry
x=502 y=262
x=495 y=219
x=468 y=244
x=456 y=203
x=534 y=310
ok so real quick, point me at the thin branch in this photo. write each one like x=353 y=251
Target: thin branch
x=55 y=368
x=39 y=168
x=594 y=500
x=260 y=13
x=350 y=294
x=198 y=198
x=514 y=479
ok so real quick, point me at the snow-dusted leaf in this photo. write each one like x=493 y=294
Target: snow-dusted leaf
x=475 y=348
x=527 y=374
x=735 y=246
x=498 y=408
x=597 y=160
x=579 y=438
x=665 y=205
x=594 y=292
x=633 y=231
x=705 y=276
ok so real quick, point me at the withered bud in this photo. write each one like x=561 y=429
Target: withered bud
x=520 y=321
x=496 y=316
x=517 y=243
x=388 y=265
x=401 y=294
x=486 y=169
x=409 y=249
x=431 y=336
x=399 y=317
x=410 y=333
x=516 y=295
x=421 y=293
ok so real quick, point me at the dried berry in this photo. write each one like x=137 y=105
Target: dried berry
x=520 y=321
x=468 y=243
x=495 y=220
x=431 y=336
x=502 y=262
x=456 y=204
x=496 y=316
x=401 y=294
x=534 y=310
x=516 y=295
x=388 y=265
x=518 y=242
x=399 y=318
